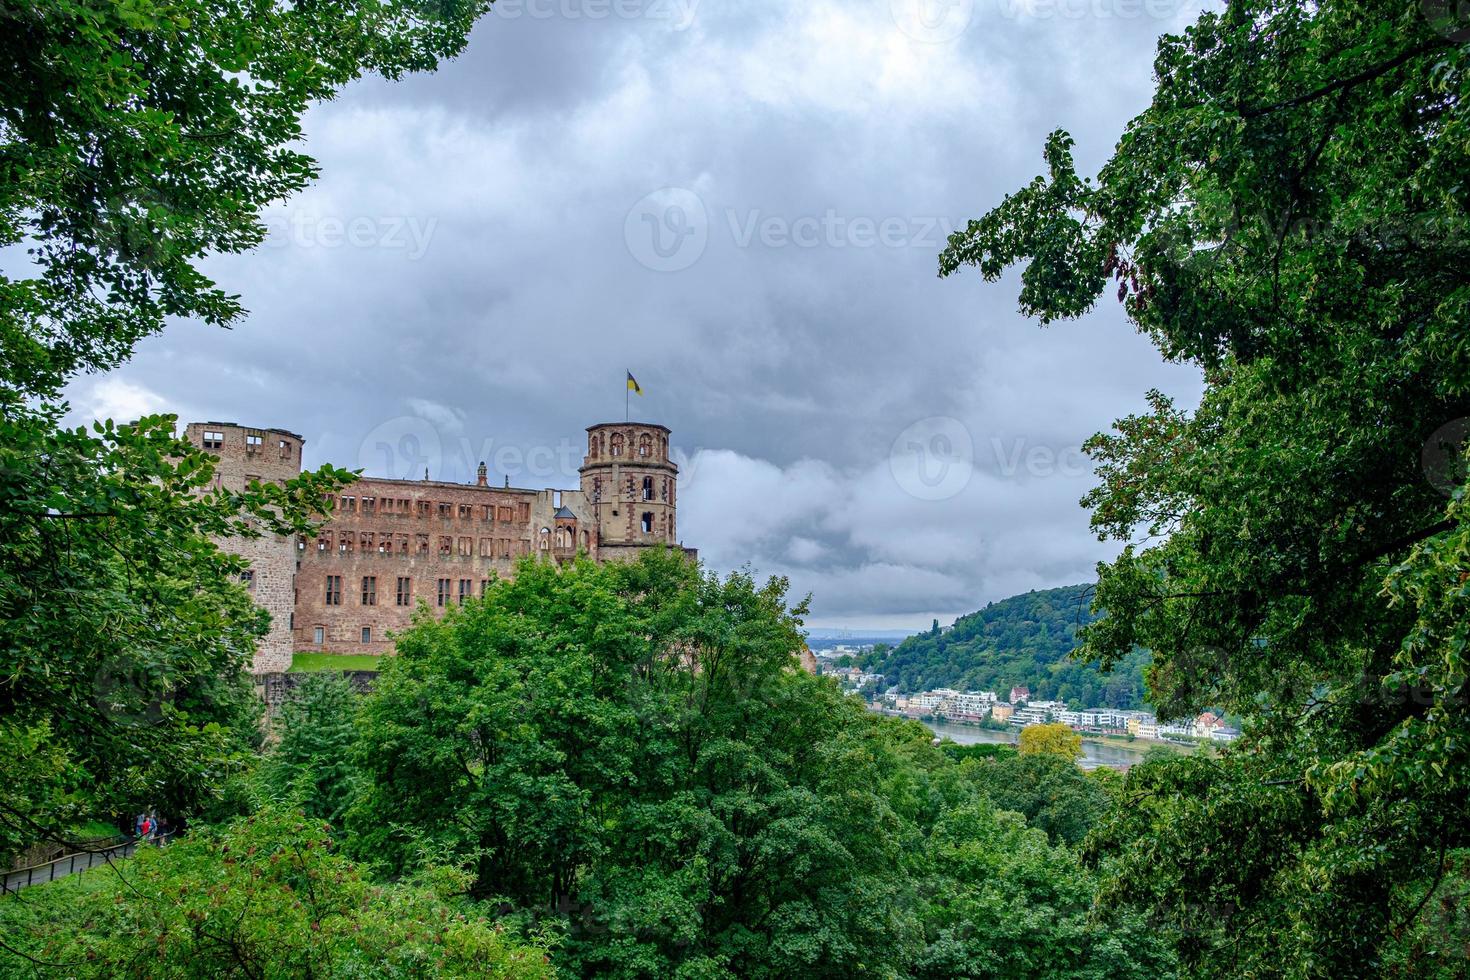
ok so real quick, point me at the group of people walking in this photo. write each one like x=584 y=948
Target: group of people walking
x=148 y=827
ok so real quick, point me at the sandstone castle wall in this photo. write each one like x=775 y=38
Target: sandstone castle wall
x=390 y=545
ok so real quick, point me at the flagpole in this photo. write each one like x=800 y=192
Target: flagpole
x=627 y=390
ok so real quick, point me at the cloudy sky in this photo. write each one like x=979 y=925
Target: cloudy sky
x=742 y=203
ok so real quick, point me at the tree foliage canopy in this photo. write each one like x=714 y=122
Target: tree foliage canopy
x=1290 y=214
x=629 y=754
x=135 y=138
x=268 y=896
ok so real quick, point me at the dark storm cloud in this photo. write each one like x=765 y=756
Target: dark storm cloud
x=743 y=204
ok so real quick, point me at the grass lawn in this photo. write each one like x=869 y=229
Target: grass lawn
x=334 y=661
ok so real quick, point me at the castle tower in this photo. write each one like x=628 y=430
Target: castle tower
x=630 y=484
x=266 y=456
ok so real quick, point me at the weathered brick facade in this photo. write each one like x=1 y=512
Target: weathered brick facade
x=391 y=544
x=263 y=455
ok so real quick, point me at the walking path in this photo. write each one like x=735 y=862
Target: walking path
x=39 y=874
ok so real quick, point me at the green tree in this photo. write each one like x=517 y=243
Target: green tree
x=142 y=136
x=312 y=764
x=1049 y=790
x=629 y=754
x=1289 y=214
x=124 y=632
x=268 y=896
x=139 y=137
x=1006 y=903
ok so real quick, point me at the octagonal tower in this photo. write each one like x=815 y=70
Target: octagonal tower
x=631 y=484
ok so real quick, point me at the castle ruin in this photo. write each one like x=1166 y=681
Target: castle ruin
x=388 y=544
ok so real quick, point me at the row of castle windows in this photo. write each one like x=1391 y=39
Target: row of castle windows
x=617 y=443
x=346 y=542
x=403 y=596
x=401 y=507
x=254 y=444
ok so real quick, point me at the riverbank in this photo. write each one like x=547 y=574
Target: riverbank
x=1098 y=751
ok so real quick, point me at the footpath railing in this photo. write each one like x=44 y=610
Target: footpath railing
x=68 y=864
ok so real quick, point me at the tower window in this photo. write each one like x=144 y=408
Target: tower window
x=285 y=449
x=252 y=444
x=647 y=522
x=648 y=488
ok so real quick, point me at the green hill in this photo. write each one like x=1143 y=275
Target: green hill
x=1026 y=641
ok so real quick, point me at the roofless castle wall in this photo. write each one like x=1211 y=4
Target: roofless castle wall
x=389 y=544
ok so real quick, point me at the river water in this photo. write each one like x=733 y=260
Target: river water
x=1094 y=754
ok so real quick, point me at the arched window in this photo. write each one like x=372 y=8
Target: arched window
x=616 y=444
x=647 y=522
x=645 y=444
x=648 y=488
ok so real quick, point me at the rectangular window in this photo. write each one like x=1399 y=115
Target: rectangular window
x=466 y=589
x=214 y=440
x=334 y=590
x=367 y=542
x=424 y=508
x=368 y=503
x=367 y=634
x=648 y=488
x=369 y=590
x=484 y=587
x=405 y=591
x=446 y=511
x=248 y=578
x=285 y=449
x=319 y=635
x=422 y=543
x=443 y=596
x=466 y=512
x=349 y=504
x=466 y=547
x=523 y=512
x=252 y=444
x=647 y=522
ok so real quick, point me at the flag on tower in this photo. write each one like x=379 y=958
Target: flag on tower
x=633 y=383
